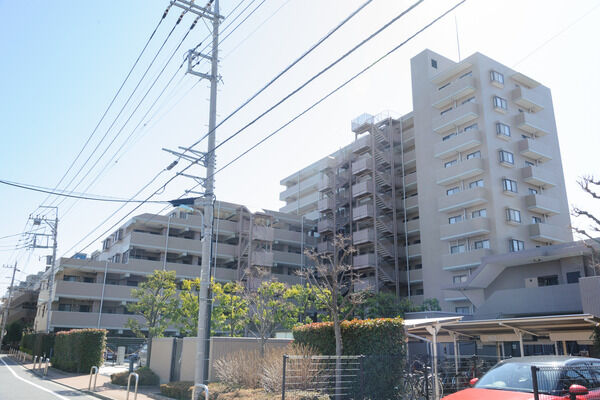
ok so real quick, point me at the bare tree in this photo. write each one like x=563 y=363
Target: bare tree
x=335 y=279
x=590 y=186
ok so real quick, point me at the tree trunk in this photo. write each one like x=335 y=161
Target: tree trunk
x=149 y=354
x=263 y=343
x=338 y=352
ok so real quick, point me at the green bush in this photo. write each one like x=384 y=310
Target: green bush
x=380 y=340
x=78 y=350
x=37 y=343
x=147 y=377
x=177 y=390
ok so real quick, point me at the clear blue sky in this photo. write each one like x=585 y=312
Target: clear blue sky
x=63 y=61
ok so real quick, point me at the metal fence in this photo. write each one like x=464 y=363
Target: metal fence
x=563 y=381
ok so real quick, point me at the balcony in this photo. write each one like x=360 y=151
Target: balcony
x=416 y=276
x=325 y=247
x=465 y=229
x=82 y=290
x=532 y=123
x=363 y=188
x=364 y=261
x=135 y=266
x=414 y=250
x=529 y=99
x=68 y=319
x=363 y=236
x=458 y=89
x=325 y=204
x=537 y=176
x=282 y=235
x=305 y=186
x=454 y=118
x=463 y=170
x=361 y=145
x=411 y=202
x=304 y=203
x=263 y=233
x=284 y=257
x=368 y=283
x=464 y=199
x=461 y=261
x=542 y=204
x=410 y=180
x=546 y=233
x=535 y=149
x=325 y=225
x=262 y=258
x=462 y=142
x=158 y=242
x=362 y=166
x=410 y=227
x=362 y=212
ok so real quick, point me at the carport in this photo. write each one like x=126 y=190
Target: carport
x=556 y=328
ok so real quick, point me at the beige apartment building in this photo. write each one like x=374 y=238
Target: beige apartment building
x=248 y=246
x=473 y=171
x=24 y=301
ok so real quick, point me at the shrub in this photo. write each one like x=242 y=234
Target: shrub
x=78 y=350
x=147 y=377
x=305 y=374
x=177 y=390
x=37 y=343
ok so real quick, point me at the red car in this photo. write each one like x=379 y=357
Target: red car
x=558 y=377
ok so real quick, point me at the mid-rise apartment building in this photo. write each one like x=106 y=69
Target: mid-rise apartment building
x=23 y=301
x=474 y=170
x=248 y=246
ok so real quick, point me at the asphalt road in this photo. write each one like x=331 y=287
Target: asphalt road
x=17 y=383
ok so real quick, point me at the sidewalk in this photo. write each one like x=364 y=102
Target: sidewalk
x=104 y=389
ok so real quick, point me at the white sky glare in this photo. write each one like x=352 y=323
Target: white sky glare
x=63 y=62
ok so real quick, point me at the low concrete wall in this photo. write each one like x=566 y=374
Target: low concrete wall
x=160 y=359
x=589 y=288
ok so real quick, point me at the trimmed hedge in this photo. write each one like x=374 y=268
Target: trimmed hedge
x=147 y=377
x=37 y=343
x=380 y=340
x=78 y=350
x=177 y=390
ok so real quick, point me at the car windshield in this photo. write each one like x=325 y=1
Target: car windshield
x=509 y=376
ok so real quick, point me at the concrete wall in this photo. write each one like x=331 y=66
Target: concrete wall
x=160 y=359
x=589 y=288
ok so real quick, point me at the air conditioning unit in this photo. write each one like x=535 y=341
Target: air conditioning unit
x=531 y=282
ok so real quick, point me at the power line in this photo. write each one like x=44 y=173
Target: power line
x=62 y=194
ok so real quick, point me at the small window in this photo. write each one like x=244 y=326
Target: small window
x=477 y=183
x=573 y=277
x=500 y=103
x=457 y=249
x=448 y=164
x=455 y=219
x=496 y=76
x=506 y=157
x=502 y=129
x=452 y=191
x=418 y=292
x=515 y=245
x=532 y=191
x=529 y=164
x=445 y=86
x=551 y=280
x=88 y=279
x=70 y=278
x=64 y=307
x=469 y=100
x=470 y=127
x=450 y=136
x=479 y=213
x=475 y=154
x=446 y=110
x=536 y=220
x=513 y=215
x=509 y=185
x=85 y=308
x=481 y=244
x=458 y=279
x=434 y=63
x=463 y=310
x=132 y=283
x=466 y=74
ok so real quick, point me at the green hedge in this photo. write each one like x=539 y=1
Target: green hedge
x=380 y=340
x=78 y=350
x=147 y=377
x=37 y=343
x=177 y=390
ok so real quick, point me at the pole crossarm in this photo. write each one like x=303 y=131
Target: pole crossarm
x=197 y=157
x=203 y=12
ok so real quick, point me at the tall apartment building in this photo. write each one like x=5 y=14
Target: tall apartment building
x=251 y=247
x=473 y=170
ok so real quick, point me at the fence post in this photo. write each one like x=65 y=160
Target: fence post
x=426 y=384
x=362 y=376
x=285 y=357
x=46 y=368
x=534 y=382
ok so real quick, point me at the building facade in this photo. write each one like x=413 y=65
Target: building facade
x=248 y=246
x=23 y=302
x=474 y=170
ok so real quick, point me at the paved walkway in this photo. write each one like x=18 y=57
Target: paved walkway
x=104 y=388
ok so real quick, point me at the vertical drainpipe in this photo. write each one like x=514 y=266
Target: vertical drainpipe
x=102 y=296
x=404 y=207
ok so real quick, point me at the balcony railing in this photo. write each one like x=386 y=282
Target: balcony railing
x=325 y=204
x=529 y=99
x=542 y=204
x=464 y=199
x=82 y=290
x=456 y=117
x=364 y=261
x=535 y=149
x=464 y=229
x=546 y=233
x=363 y=188
x=463 y=170
x=362 y=212
x=467 y=260
x=303 y=187
x=363 y=236
x=532 y=123
x=538 y=176
x=362 y=165
x=460 y=143
x=158 y=242
x=458 y=89
x=262 y=258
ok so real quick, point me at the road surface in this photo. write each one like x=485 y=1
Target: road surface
x=17 y=383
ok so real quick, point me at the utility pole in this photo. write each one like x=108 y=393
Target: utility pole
x=208 y=158
x=7 y=305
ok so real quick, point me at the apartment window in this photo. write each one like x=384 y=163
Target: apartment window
x=496 y=76
x=132 y=283
x=469 y=100
x=509 y=185
x=479 y=213
x=502 y=129
x=551 y=280
x=475 y=154
x=573 y=277
x=500 y=103
x=529 y=164
x=532 y=191
x=125 y=259
x=470 y=127
x=536 y=220
x=455 y=219
x=477 y=183
x=481 y=244
x=452 y=191
x=458 y=279
x=466 y=310
x=446 y=110
x=457 y=248
x=88 y=279
x=418 y=292
x=85 y=308
x=445 y=85
x=506 y=157
x=70 y=278
x=64 y=307
x=513 y=215
x=117 y=258
x=466 y=74
x=434 y=63
x=450 y=136
x=515 y=245
x=450 y=163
